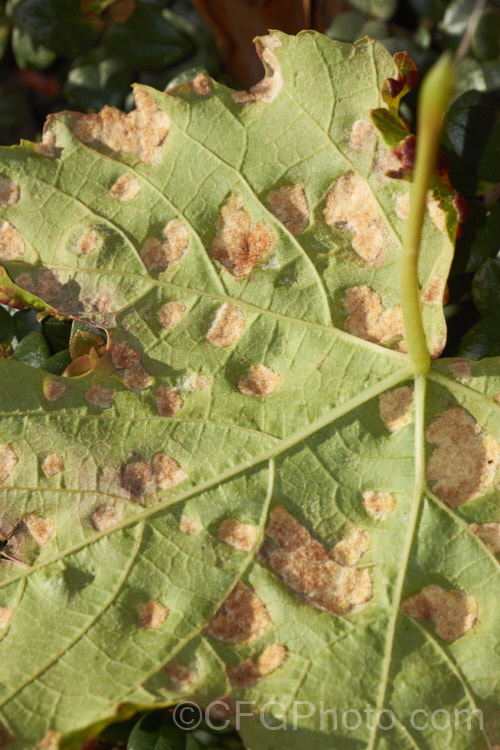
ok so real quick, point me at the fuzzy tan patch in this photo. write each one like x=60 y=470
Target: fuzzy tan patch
x=454 y=612
x=142 y=131
x=305 y=566
x=379 y=504
x=260 y=381
x=489 y=533
x=269 y=87
x=238 y=245
x=238 y=535
x=466 y=459
x=289 y=205
x=248 y=673
x=53 y=464
x=9 y=192
x=12 y=244
x=241 y=619
x=168 y=402
x=350 y=204
x=152 y=615
x=105 y=517
x=159 y=253
x=367 y=318
x=8 y=461
x=396 y=407
x=170 y=314
x=228 y=326
x=182 y=678
x=126 y=188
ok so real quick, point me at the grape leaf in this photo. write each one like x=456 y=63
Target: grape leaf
x=239 y=491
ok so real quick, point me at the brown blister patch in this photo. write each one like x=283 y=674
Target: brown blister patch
x=152 y=615
x=202 y=85
x=110 y=482
x=102 y=303
x=368 y=319
x=167 y=472
x=168 y=402
x=260 y=381
x=489 y=533
x=105 y=517
x=437 y=213
x=434 y=292
x=88 y=242
x=137 y=477
x=49 y=284
x=6 y=614
x=31 y=534
x=142 y=131
x=137 y=378
x=289 y=205
x=53 y=390
x=124 y=356
x=9 y=192
x=99 y=396
x=238 y=245
x=460 y=370
x=126 y=188
x=379 y=504
x=453 y=612
x=305 y=566
x=248 y=673
x=53 y=464
x=170 y=314
x=159 y=253
x=349 y=203
x=193 y=383
x=182 y=678
x=12 y=244
x=269 y=87
x=47 y=146
x=363 y=136
x=8 y=461
x=25 y=281
x=241 y=619
x=189 y=525
x=465 y=462
x=350 y=549
x=396 y=407
x=50 y=740
x=228 y=326
x=238 y=535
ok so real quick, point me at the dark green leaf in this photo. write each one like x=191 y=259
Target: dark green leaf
x=55 y=24
x=486 y=39
x=58 y=362
x=482 y=340
x=153 y=733
x=352 y=25
x=147 y=40
x=26 y=322
x=57 y=333
x=7 y=328
x=486 y=288
x=472 y=134
x=92 y=82
x=33 y=350
x=27 y=55
x=379 y=8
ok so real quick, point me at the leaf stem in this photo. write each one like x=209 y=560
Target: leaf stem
x=435 y=91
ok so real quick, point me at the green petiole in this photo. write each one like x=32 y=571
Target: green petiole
x=434 y=94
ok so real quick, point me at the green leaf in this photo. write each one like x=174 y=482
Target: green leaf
x=7 y=327
x=93 y=82
x=27 y=55
x=146 y=41
x=56 y=25
x=33 y=350
x=153 y=733
x=252 y=438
